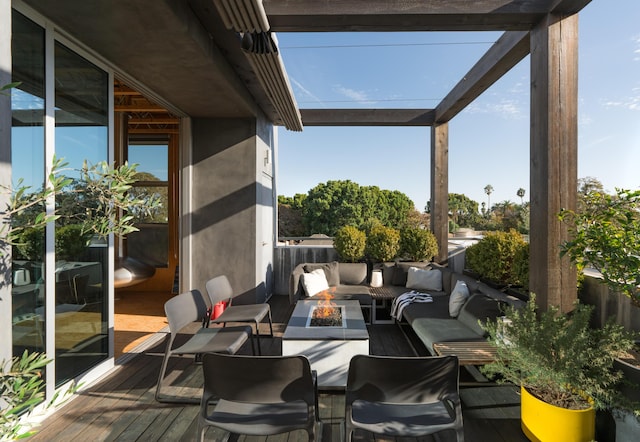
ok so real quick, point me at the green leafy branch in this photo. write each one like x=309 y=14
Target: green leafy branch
x=604 y=235
x=21 y=389
x=99 y=200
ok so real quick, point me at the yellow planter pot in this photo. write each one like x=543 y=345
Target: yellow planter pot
x=542 y=422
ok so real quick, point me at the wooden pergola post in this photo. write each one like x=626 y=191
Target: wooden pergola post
x=439 y=205
x=554 y=147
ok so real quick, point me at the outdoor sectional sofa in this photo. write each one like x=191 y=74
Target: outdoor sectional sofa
x=431 y=321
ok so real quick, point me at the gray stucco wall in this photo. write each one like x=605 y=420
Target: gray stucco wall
x=265 y=201
x=224 y=198
x=5 y=176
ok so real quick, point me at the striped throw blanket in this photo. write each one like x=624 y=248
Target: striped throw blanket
x=405 y=299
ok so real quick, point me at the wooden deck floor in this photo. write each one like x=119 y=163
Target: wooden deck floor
x=122 y=407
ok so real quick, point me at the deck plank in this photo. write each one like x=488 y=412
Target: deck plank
x=121 y=407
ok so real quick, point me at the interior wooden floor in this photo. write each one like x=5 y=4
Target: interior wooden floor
x=121 y=407
x=138 y=315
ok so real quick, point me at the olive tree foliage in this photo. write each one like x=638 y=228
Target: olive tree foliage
x=334 y=204
x=99 y=201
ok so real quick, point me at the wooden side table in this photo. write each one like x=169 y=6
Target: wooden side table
x=384 y=295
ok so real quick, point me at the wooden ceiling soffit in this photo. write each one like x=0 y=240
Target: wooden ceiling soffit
x=367 y=117
x=409 y=15
x=508 y=51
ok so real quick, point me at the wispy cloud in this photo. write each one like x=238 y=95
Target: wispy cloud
x=305 y=94
x=352 y=94
x=632 y=102
x=595 y=142
x=508 y=109
x=636 y=52
x=584 y=119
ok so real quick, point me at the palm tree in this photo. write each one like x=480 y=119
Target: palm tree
x=520 y=193
x=488 y=189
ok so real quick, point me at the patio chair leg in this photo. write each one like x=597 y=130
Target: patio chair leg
x=270 y=324
x=163 y=370
x=258 y=339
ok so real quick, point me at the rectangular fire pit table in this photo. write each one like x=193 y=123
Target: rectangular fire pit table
x=329 y=348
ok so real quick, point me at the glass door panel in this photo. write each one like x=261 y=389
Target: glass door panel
x=81 y=134
x=27 y=153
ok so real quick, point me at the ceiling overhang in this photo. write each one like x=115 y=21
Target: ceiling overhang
x=185 y=53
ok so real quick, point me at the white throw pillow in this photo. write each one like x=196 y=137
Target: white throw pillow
x=314 y=282
x=459 y=296
x=424 y=279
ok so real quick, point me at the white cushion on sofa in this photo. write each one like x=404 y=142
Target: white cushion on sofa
x=459 y=296
x=314 y=282
x=421 y=279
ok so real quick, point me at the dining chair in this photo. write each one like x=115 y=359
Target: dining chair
x=219 y=289
x=185 y=309
x=403 y=396
x=259 y=395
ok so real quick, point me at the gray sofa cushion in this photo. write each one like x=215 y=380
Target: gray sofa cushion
x=353 y=273
x=388 y=269
x=439 y=308
x=431 y=330
x=330 y=270
x=479 y=307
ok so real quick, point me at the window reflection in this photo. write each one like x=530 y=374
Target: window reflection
x=27 y=151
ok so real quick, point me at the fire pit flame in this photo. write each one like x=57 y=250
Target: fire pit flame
x=325 y=307
x=326 y=313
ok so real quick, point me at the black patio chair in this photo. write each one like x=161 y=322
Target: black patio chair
x=403 y=396
x=183 y=310
x=259 y=395
x=219 y=289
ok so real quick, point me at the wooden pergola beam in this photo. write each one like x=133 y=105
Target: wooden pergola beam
x=508 y=51
x=367 y=117
x=439 y=207
x=412 y=15
x=554 y=157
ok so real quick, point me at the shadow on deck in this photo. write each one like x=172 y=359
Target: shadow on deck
x=121 y=407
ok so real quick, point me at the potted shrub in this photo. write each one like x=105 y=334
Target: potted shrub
x=350 y=243
x=563 y=367
x=492 y=258
x=417 y=244
x=383 y=243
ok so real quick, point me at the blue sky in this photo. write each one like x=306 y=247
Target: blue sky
x=489 y=140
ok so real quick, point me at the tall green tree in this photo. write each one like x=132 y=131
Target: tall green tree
x=587 y=186
x=463 y=210
x=488 y=189
x=335 y=204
